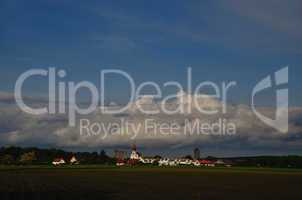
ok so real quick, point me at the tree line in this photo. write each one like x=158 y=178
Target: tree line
x=17 y=155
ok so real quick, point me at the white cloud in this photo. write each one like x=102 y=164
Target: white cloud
x=18 y=128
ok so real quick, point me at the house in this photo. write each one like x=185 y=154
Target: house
x=164 y=162
x=120 y=162
x=196 y=163
x=207 y=163
x=220 y=162
x=173 y=163
x=58 y=161
x=147 y=160
x=185 y=161
x=224 y=163
x=168 y=162
x=74 y=161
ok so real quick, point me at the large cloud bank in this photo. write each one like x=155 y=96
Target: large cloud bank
x=252 y=135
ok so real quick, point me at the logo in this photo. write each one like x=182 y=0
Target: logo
x=280 y=78
x=63 y=98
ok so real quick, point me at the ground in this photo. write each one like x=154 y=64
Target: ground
x=100 y=182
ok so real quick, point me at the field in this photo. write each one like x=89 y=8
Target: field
x=101 y=182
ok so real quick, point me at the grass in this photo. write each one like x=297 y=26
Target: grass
x=110 y=182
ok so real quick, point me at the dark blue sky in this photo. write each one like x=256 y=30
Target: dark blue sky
x=155 y=40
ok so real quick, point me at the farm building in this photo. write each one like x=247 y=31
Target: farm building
x=58 y=161
x=74 y=161
x=207 y=163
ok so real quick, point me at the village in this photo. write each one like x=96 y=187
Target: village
x=136 y=158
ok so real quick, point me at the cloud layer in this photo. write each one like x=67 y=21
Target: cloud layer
x=252 y=135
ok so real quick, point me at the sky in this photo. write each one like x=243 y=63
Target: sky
x=152 y=40
x=224 y=40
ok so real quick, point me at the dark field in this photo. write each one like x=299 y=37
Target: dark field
x=97 y=182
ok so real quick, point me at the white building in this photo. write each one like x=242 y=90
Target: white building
x=196 y=163
x=185 y=161
x=58 y=161
x=164 y=162
x=74 y=160
x=147 y=160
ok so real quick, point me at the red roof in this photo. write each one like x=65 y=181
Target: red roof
x=205 y=162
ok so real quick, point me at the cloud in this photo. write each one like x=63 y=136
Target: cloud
x=19 y=128
x=7 y=97
x=277 y=15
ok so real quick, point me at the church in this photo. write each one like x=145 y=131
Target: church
x=134 y=154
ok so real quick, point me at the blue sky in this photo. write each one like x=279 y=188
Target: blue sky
x=153 y=40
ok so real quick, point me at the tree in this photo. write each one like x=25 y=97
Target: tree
x=103 y=153
x=188 y=157
x=6 y=159
x=28 y=158
x=103 y=157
